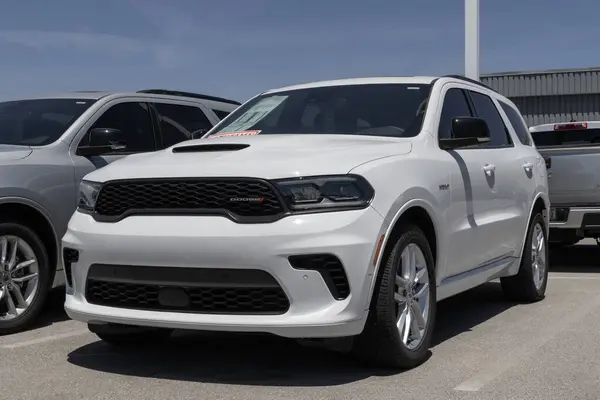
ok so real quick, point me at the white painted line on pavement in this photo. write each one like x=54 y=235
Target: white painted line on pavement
x=44 y=339
x=594 y=276
x=498 y=367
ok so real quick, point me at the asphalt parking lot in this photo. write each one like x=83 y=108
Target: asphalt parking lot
x=485 y=348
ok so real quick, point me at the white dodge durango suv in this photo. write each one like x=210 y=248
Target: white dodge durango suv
x=334 y=209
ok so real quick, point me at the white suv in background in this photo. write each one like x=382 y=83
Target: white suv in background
x=334 y=209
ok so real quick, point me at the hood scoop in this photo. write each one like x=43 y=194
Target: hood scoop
x=206 y=148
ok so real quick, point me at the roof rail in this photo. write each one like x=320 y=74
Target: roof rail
x=188 y=94
x=464 y=78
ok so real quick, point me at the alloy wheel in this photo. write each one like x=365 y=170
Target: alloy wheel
x=18 y=276
x=538 y=256
x=412 y=296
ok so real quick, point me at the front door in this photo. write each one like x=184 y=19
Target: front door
x=131 y=118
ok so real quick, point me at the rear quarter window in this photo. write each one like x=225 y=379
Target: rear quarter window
x=517 y=123
x=567 y=138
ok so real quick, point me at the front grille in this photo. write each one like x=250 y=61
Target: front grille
x=209 y=291
x=331 y=269
x=237 y=197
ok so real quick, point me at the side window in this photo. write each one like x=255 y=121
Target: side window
x=517 y=123
x=179 y=123
x=455 y=105
x=221 y=114
x=133 y=120
x=486 y=109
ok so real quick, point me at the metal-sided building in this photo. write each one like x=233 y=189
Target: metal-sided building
x=552 y=95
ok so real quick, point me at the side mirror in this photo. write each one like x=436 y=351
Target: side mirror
x=102 y=141
x=466 y=131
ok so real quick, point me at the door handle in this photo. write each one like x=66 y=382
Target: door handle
x=489 y=168
x=528 y=166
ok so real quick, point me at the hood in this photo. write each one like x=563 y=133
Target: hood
x=262 y=156
x=10 y=152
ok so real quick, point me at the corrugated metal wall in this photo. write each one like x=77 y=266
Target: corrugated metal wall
x=551 y=96
x=550 y=109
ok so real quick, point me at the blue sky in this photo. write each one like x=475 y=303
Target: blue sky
x=236 y=48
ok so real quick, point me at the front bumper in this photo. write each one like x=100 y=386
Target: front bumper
x=216 y=242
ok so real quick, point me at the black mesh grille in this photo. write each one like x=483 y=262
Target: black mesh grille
x=244 y=198
x=216 y=291
x=331 y=269
x=201 y=300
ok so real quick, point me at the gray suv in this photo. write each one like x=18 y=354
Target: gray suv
x=47 y=145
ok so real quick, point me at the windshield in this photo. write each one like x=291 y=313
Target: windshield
x=38 y=122
x=374 y=109
x=567 y=138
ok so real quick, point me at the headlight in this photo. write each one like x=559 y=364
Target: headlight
x=88 y=194
x=326 y=192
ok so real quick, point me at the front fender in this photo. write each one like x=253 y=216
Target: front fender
x=395 y=193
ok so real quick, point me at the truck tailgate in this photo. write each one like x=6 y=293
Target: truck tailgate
x=574 y=175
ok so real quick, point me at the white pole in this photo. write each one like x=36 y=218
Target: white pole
x=472 y=39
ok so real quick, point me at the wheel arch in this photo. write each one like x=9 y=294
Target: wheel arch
x=419 y=212
x=540 y=203
x=37 y=218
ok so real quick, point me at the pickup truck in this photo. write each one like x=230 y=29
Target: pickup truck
x=572 y=154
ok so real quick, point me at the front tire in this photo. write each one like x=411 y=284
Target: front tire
x=400 y=325
x=25 y=277
x=529 y=285
x=130 y=336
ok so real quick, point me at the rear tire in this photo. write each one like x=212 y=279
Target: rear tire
x=381 y=343
x=529 y=285
x=130 y=336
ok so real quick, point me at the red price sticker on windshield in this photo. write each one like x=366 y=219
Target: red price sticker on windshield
x=241 y=133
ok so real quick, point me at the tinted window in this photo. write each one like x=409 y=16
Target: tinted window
x=486 y=109
x=133 y=119
x=38 y=122
x=179 y=123
x=517 y=123
x=372 y=109
x=221 y=114
x=455 y=105
x=578 y=137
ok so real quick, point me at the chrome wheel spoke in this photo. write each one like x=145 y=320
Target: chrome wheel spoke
x=13 y=254
x=3 y=250
x=407 y=324
x=402 y=319
x=420 y=321
x=420 y=274
x=21 y=302
x=415 y=331
x=25 y=278
x=23 y=264
x=424 y=289
x=12 y=309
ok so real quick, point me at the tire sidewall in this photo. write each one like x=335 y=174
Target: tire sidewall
x=44 y=276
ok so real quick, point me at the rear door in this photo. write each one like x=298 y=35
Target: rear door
x=573 y=151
